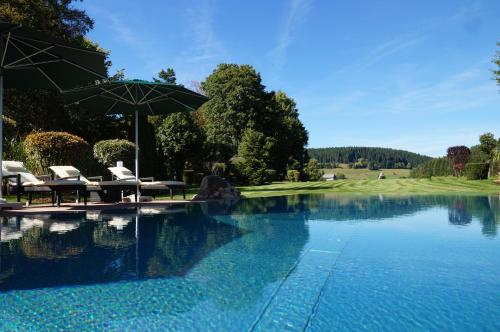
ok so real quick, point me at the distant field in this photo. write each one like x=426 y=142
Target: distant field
x=366 y=174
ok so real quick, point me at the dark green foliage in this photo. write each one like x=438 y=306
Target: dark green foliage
x=312 y=170
x=239 y=102
x=384 y=157
x=477 y=155
x=495 y=162
x=341 y=176
x=293 y=175
x=373 y=166
x=180 y=141
x=166 y=76
x=188 y=176
x=487 y=143
x=108 y=152
x=433 y=167
x=476 y=171
x=46 y=149
x=252 y=155
x=271 y=175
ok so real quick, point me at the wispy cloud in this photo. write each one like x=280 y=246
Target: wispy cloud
x=463 y=91
x=207 y=49
x=295 y=15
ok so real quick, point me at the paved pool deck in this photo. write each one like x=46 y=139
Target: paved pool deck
x=78 y=208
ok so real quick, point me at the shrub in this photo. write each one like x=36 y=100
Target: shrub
x=293 y=175
x=341 y=176
x=108 y=152
x=373 y=166
x=219 y=169
x=476 y=171
x=188 y=176
x=44 y=149
x=312 y=170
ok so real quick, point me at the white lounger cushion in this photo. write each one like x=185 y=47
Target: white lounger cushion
x=123 y=173
x=70 y=171
x=17 y=167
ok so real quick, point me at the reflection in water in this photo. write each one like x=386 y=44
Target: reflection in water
x=67 y=249
x=104 y=246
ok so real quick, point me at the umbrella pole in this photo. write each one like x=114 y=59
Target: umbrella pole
x=1 y=138
x=137 y=151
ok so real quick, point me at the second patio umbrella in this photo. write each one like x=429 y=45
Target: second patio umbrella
x=134 y=97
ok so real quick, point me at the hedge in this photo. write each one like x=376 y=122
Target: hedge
x=44 y=149
x=108 y=152
x=476 y=171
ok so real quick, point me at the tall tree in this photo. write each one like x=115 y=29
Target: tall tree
x=238 y=100
x=180 y=140
x=496 y=71
x=289 y=132
x=166 y=76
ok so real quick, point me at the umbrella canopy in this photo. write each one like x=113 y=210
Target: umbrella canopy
x=132 y=97
x=32 y=59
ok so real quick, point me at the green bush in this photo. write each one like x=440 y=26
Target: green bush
x=108 y=152
x=44 y=149
x=341 y=176
x=476 y=171
x=293 y=175
x=188 y=176
x=312 y=170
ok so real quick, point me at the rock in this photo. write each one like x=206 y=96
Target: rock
x=381 y=176
x=215 y=187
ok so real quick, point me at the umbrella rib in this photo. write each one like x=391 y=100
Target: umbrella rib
x=146 y=95
x=9 y=66
x=75 y=48
x=130 y=93
x=39 y=69
x=178 y=102
x=83 y=99
x=155 y=99
x=125 y=100
x=29 y=56
x=62 y=59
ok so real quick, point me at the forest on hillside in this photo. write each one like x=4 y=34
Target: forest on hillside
x=371 y=157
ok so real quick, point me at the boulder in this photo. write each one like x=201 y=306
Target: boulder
x=214 y=187
x=381 y=176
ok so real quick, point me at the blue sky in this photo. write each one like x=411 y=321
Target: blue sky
x=413 y=75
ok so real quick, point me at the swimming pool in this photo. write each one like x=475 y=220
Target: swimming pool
x=312 y=262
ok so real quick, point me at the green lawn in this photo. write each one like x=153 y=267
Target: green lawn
x=442 y=185
x=439 y=185
x=366 y=174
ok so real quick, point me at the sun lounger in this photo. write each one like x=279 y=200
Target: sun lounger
x=21 y=180
x=148 y=183
x=107 y=190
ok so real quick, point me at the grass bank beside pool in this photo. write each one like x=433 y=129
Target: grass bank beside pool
x=366 y=174
x=439 y=185
x=442 y=185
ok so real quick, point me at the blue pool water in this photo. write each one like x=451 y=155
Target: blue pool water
x=297 y=263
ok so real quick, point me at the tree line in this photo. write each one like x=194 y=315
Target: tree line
x=363 y=156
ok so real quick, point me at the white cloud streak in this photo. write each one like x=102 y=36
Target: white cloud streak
x=295 y=16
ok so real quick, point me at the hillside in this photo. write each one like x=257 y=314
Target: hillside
x=384 y=157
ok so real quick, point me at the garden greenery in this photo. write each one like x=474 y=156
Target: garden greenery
x=108 y=152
